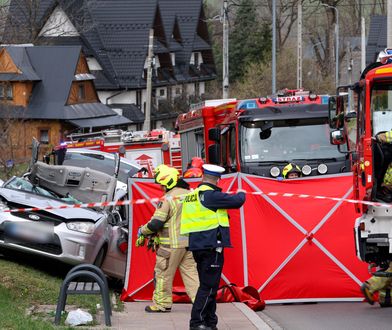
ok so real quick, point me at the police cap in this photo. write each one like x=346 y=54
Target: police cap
x=214 y=170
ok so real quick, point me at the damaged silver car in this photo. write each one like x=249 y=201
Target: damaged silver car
x=71 y=235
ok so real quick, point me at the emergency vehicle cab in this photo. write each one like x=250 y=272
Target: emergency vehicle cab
x=370 y=115
x=260 y=136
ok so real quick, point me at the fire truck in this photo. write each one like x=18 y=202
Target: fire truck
x=148 y=149
x=260 y=136
x=370 y=114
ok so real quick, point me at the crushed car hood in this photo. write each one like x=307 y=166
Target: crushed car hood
x=28 y=200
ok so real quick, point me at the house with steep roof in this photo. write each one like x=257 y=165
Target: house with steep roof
x=45 y=92
x=377 y=38
x=114 y=37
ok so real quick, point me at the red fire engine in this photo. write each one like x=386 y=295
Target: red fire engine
x=148 y=149
x=260 y=136
x=359 y=120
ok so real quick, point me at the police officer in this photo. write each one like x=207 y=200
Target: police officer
x=205 y=219
x=171 y=253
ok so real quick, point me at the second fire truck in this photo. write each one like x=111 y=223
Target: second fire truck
x=371 y=115
x=260 y=136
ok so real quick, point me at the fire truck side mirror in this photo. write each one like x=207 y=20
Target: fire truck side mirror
x=214 y=134
x=337 y=137
x=214 y=154
x=332 y=111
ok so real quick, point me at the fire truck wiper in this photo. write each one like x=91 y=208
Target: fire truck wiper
x=334 y=159
x=275 y=162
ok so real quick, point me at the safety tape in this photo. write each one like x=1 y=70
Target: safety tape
x=158 y=199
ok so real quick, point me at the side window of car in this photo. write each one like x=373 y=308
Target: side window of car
x=93 y=161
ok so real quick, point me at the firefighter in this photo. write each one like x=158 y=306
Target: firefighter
x=172 y=251
x=291 y=171
x=385 y=193
x=194 y=169
x=205 y=219
x=377 y=284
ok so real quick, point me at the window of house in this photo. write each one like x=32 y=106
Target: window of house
x=81 y=92
x=6 y=92
x=197 y=88
x=196 y=56
x=178 y=90
x=138 y=98
x=44 y=136
x=161 y=92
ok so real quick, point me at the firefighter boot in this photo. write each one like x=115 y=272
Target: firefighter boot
x=156 y=309
x=366 y=293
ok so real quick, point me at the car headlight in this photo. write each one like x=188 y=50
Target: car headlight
x=82 y=227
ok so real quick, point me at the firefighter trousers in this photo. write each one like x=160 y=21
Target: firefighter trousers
x=167 y=262
x=376 y=283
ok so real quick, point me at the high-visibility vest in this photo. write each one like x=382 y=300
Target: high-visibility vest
x=195 y=217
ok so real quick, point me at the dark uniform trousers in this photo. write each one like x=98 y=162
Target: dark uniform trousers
x=209 y=267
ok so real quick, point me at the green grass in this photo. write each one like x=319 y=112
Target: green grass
x=22 y=287
x=17 y=170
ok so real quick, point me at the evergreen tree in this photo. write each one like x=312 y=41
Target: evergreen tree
x=250 y=40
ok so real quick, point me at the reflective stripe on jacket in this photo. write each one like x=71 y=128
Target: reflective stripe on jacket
x=388 y=136
x=195 y=217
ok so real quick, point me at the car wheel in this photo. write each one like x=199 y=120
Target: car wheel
x=100 y=257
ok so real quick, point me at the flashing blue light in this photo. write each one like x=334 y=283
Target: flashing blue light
x=248 y=104
x=324 y=99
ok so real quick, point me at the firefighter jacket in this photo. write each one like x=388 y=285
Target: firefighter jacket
x=387 y=180
x=213 y=230
x=166 y=220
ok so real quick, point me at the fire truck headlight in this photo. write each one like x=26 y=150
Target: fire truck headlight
x=322 y=168
x=312 y=96
x=274 y=171
x=306 y=170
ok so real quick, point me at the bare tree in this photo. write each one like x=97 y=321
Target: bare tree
x=28 y=20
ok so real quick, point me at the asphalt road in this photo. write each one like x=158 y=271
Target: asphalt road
x=328 y=316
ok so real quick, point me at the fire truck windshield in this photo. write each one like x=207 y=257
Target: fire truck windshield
x=285 y=140
x=381 y=107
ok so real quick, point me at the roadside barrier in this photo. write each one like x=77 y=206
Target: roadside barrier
x=156 y=200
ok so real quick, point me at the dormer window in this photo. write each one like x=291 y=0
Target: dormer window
x=81 y=92
x=6 y=92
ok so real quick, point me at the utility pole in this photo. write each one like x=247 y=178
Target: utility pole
x=389 y=24
x=363 y=44
x=225 y=92
x=299 y=45
x=336 y=43
x=147 y=113
x=273 y=46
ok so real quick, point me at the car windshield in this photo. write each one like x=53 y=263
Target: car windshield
x=285 y=140
x=25 y=185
